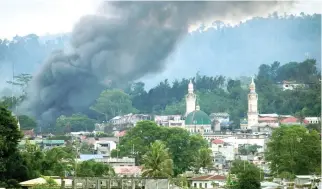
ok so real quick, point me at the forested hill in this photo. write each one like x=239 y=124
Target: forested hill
x=229 y=51
x=219 y=94
x=215 y=94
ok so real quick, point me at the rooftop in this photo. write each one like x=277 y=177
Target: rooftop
x=209 y=177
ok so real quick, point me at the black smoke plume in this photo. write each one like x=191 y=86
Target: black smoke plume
x=123 y=42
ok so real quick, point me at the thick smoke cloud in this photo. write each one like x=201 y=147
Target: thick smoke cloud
x=123 y=42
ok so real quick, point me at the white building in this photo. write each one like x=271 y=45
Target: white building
x=313 y=120
x=226 y=149
x=129 y=119
x=236 y=142
x=104 y=147
x=208 y=181
x=190 y=99
x=290 y=85
x=169 y=120
x=252 y=106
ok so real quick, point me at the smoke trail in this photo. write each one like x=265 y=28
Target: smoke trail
x=123 y=42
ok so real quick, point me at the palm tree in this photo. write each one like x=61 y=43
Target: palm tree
x=157 y=161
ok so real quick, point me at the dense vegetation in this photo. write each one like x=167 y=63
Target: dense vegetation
x=183 y=147
x=172 y=152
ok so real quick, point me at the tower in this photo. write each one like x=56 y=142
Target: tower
x=190 y=99
x=252 y=105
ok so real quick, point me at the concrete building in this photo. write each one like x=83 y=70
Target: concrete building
x=208 y=181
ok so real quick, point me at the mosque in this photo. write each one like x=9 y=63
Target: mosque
x=197 y=121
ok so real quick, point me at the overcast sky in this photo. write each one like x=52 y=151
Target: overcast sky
x=56 y=16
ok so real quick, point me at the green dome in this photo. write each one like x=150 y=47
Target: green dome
x=197 y=117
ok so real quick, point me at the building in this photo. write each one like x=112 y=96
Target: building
x=190 y=100
x=252 y=114
x=169 y=120
x=313 y=120
x=122 y=162
x=208 y=181
x=290 y=85
x=104 y=147
x=226 y=149
x=198 y=121
x=128 y=120
x=219 y=120
x=43 y=144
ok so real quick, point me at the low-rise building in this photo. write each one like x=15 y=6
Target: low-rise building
x=208 y=181
x=128 y=120
x=169 y=120
x=313 y=120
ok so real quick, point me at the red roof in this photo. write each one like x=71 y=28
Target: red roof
x=127 y=170
x=267 y=119
x=121 y=134
x=28 y=132
x=217 y=141
x=292 y=120
x=210 y=177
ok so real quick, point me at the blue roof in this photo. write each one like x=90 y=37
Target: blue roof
x=85 y=157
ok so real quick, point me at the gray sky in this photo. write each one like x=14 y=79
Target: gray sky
x=55 y=16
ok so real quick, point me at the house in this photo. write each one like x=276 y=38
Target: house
x=313 y=120
x=169 y=120
x=38 y=181
x=44 y=144
x=104 y=147
x=309 y=181
x=129 y=171
x=128 y=120
x=122 y=162
x=219 y=161
x=290 y=85
x=208 y=181
x=28 y=133
x=292 y=121
x=225 y=149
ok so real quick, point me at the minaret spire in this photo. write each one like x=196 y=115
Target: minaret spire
x=190 y=99
x=252 y=105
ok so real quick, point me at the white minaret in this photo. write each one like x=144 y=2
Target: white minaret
x=190 y=99
x=252 y=106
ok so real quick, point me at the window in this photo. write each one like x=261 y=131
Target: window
x=195 y=185
x=200 y=185
x=205 y=185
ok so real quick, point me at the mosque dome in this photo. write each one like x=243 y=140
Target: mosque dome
x=197 y=117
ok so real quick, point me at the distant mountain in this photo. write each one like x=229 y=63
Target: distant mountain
x=229 y=51
x=236 y=51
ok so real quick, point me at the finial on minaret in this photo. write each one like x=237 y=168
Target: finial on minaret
x=190 y=87
x=18 y=124
x=252 y=85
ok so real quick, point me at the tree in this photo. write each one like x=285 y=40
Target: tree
x=91 y=168
x=249 y=180
x=22 y=81
x=294 y=149
x=112 y=103
x=76 y=122
x=9 y=156
x=27 y=123
x=203 y=159
x=157 y=162
x=249 y=176
x=182 y=146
